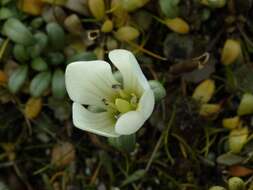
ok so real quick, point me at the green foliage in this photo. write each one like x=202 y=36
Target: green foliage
x=39 y=64
x=20 y=53
x=83 y=56
x=5 y=13
x=56 y=35
x=18 y=78
x=169 y=8
x=40 y=83
x=124 y=142
x=58 y=84
x=40 y=45
x=158 y=89
x=18 y=32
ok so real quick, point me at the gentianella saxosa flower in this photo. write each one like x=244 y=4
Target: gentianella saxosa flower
x=123 y=107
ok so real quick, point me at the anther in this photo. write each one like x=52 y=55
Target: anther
x=117 y=86
x=105 y=101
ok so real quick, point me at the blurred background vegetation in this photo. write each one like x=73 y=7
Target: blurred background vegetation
x=199 y=136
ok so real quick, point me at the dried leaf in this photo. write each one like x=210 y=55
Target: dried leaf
x=246 y=104
x=204 y=91
x=239 y=171
x=3 y=78
x=33 y=107
x=33 y=7
x=230 y=52
x=63 y=154
x=231 y=123
x=177 y=25
x=237 y=139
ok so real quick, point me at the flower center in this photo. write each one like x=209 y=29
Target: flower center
x=122 y=103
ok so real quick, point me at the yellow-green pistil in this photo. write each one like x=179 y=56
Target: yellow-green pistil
x=122 y=103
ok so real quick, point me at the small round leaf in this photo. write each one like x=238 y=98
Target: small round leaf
x=58 y=84
x=40 y=83
x=17 y=79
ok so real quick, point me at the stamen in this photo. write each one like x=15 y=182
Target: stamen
x=117 y=86
x=134 y=99
x=109 y=104
x=105 y=101
x=123 y=103
x=119 y=89
x=112 y=105
x=116 y=116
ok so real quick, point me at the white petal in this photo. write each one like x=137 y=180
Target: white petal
x=146 y=103
x=98 y=123
x=129 y=123
x=89 y=82
x=133 y=78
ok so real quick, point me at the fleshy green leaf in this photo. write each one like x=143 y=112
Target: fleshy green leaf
x=20 y=53
x=55 y=58
x=5 y=13
x=58 y=84
x=158 y=89
x=40 y=83
x=56 y=35
x=38 y=64
x=169 y=7
x=84 y=56
x=124 y=142
x=236 y=183
x=18 y=32
x=229 y=159
x=18 y=78
x=41 y=43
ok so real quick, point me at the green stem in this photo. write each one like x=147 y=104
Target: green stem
x=164 y=136
x=167 y=135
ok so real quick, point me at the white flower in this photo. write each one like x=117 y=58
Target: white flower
x=125 y=107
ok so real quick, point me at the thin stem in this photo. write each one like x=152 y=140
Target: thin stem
x=146 y=51
x=159 y=142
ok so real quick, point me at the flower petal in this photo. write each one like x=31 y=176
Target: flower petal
x=146 y=103
x=129 y=123
x=98 y=123
x=133 y=78
x=89 y=82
